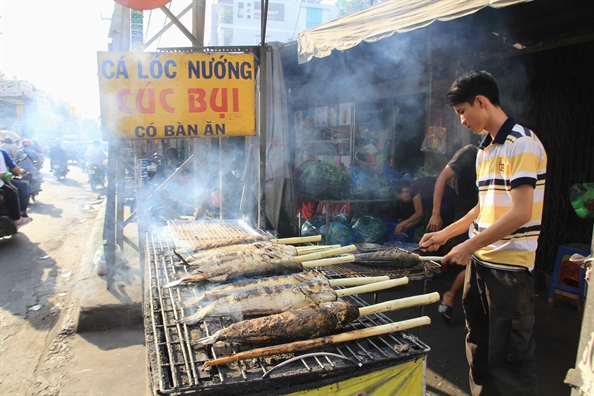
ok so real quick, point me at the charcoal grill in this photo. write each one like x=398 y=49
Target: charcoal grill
x=175 y=363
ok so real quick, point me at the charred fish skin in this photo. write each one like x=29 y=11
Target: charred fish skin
x=246 y=267
x=304 y=323
x=240 y=252
x=403 y=259
x=266 y=300
x=228 y=289
x=230 y=241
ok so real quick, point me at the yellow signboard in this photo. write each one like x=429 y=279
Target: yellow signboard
x=158 y=95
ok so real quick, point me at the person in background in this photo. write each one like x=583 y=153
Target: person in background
x=58 y=156
x=463 y=167
x=420 y=192
x=22 y=186
x=9 y=198
x=35 y=145
x=95 y=154
x=498 y=295
x=9 y=146
x=32 y=164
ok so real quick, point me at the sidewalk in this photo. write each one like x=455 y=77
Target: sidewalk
x=99 y=348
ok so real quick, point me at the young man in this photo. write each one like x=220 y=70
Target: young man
x=420 y=192
x=498 y=296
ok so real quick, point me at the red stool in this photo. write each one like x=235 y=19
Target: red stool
x=569 y=282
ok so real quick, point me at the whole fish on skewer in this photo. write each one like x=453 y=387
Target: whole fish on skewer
x=237 y=287
x=307 y=322
x=272 y=281
x=253 y=265
x=266 y=300
x=231 y=252
x=229 y=241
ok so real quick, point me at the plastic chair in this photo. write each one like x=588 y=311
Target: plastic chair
x=569 y=282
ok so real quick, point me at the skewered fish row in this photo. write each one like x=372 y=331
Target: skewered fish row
x=306 y=322
x=253 y=265
x=266 y=300
x=272 y=281
x=233 y=252
x=252 y=238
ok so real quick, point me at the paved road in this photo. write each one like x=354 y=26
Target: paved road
x=40 y=268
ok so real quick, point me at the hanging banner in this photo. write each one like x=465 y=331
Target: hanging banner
x=159 y=95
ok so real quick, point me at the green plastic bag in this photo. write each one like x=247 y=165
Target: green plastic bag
x=581 y=196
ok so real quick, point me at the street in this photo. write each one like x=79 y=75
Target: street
x=40 y=267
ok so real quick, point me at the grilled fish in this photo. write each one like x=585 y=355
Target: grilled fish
x=242 y=286
x=249 y=265
x=266 y=300
x=396 y=256
x=299 y=324
x=229 y=241
x=230 y=252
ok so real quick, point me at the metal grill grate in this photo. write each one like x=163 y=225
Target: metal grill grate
x=192 y=233
x=176 y=364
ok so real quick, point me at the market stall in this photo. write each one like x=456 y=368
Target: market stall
x=180 y=364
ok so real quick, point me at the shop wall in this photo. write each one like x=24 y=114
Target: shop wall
x=546 y=88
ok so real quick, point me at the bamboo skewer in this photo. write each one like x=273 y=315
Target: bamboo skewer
x=314 y=248
x=372 y=287
x=322 y=341
x=361 y=280
x=290 y=241
x=328 y=261
x=326 y=253
x=401 y=303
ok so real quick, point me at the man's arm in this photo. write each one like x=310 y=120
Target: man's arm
x=435 y=222
x=518 y=214
x=414 y=219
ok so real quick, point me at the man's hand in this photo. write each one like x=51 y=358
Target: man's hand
x=400 y=228
x=433 y=241
x=460 y=254
x=435 y=223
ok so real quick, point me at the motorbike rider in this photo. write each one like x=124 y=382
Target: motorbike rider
x=31 y=164
x=9 y=146
x=9 y=201
x=58 y=156
x=95 y=155
x=22 y=186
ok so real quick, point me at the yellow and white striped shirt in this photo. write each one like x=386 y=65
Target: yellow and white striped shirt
x=514 y=158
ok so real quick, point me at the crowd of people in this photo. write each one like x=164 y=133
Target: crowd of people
x=20 y=172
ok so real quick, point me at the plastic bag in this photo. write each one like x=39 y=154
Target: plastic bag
x=312 y=226
x=338 y=234
x=581 y=196
x=369 y=229
x=99 y=259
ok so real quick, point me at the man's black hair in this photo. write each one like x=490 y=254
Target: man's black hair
x=398 y=186
x=470 y=84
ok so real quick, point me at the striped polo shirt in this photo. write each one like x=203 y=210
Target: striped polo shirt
x=514 y=158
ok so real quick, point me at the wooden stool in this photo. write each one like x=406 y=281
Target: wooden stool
x=569 y=282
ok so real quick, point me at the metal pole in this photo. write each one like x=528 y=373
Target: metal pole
x=120 y=195
x=109 y=225
x=262 y=140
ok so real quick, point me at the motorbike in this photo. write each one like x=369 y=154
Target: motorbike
x=96 y=176
x=60 y=169
x=7 y=226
